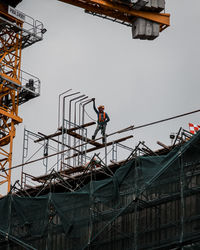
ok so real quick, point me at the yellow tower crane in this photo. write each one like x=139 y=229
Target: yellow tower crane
x=17 y=31
x=142 y=15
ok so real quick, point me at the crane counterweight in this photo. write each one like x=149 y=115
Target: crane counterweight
x=142 y=15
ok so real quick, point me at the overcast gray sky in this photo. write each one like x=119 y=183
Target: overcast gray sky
x=137 y=81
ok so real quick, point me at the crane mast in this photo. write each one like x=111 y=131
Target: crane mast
x=17 y=31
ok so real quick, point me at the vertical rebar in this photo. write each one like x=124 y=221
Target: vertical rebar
x=76 y=159
x=59 y=105
x=83 y=121
x=70 y=111
x=114 y=152
x=46 y=149
x=58 y=146
x=80 y=131
x=22 y=171
x=63 y=123
x=106 y=153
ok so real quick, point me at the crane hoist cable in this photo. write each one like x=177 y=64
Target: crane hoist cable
x=89 y=116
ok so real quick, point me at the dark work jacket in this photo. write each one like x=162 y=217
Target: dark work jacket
x=107 y=119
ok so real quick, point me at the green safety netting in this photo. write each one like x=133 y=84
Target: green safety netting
x=120 y=212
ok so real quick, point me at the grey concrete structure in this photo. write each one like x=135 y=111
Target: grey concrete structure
x=138 y=4
x=155 y=5
x=144 y=29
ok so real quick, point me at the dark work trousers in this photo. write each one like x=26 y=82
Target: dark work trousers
x=101 y=127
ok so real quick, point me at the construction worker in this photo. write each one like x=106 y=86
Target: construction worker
x=102 y=119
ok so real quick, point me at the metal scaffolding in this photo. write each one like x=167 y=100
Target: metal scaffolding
x=150 y=202
x=92 y=199
x=67 y=153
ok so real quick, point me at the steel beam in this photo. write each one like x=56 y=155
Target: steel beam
x=119 y=11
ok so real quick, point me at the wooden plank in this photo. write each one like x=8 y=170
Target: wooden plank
x=162 y=145
x=59 y=142
x=73 y=170
x=82 y=126
x=102 y=146
x=66 y=173
x=77 y=136
x=68 y=131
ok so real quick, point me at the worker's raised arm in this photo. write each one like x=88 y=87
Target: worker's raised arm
x=94 y=106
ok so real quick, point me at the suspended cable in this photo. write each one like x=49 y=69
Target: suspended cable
x=119 y=131
x=89 y=116
x=167 y=119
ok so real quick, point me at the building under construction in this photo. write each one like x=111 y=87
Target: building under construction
x=89 y=197
x=76 y=193
x=150 y=200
